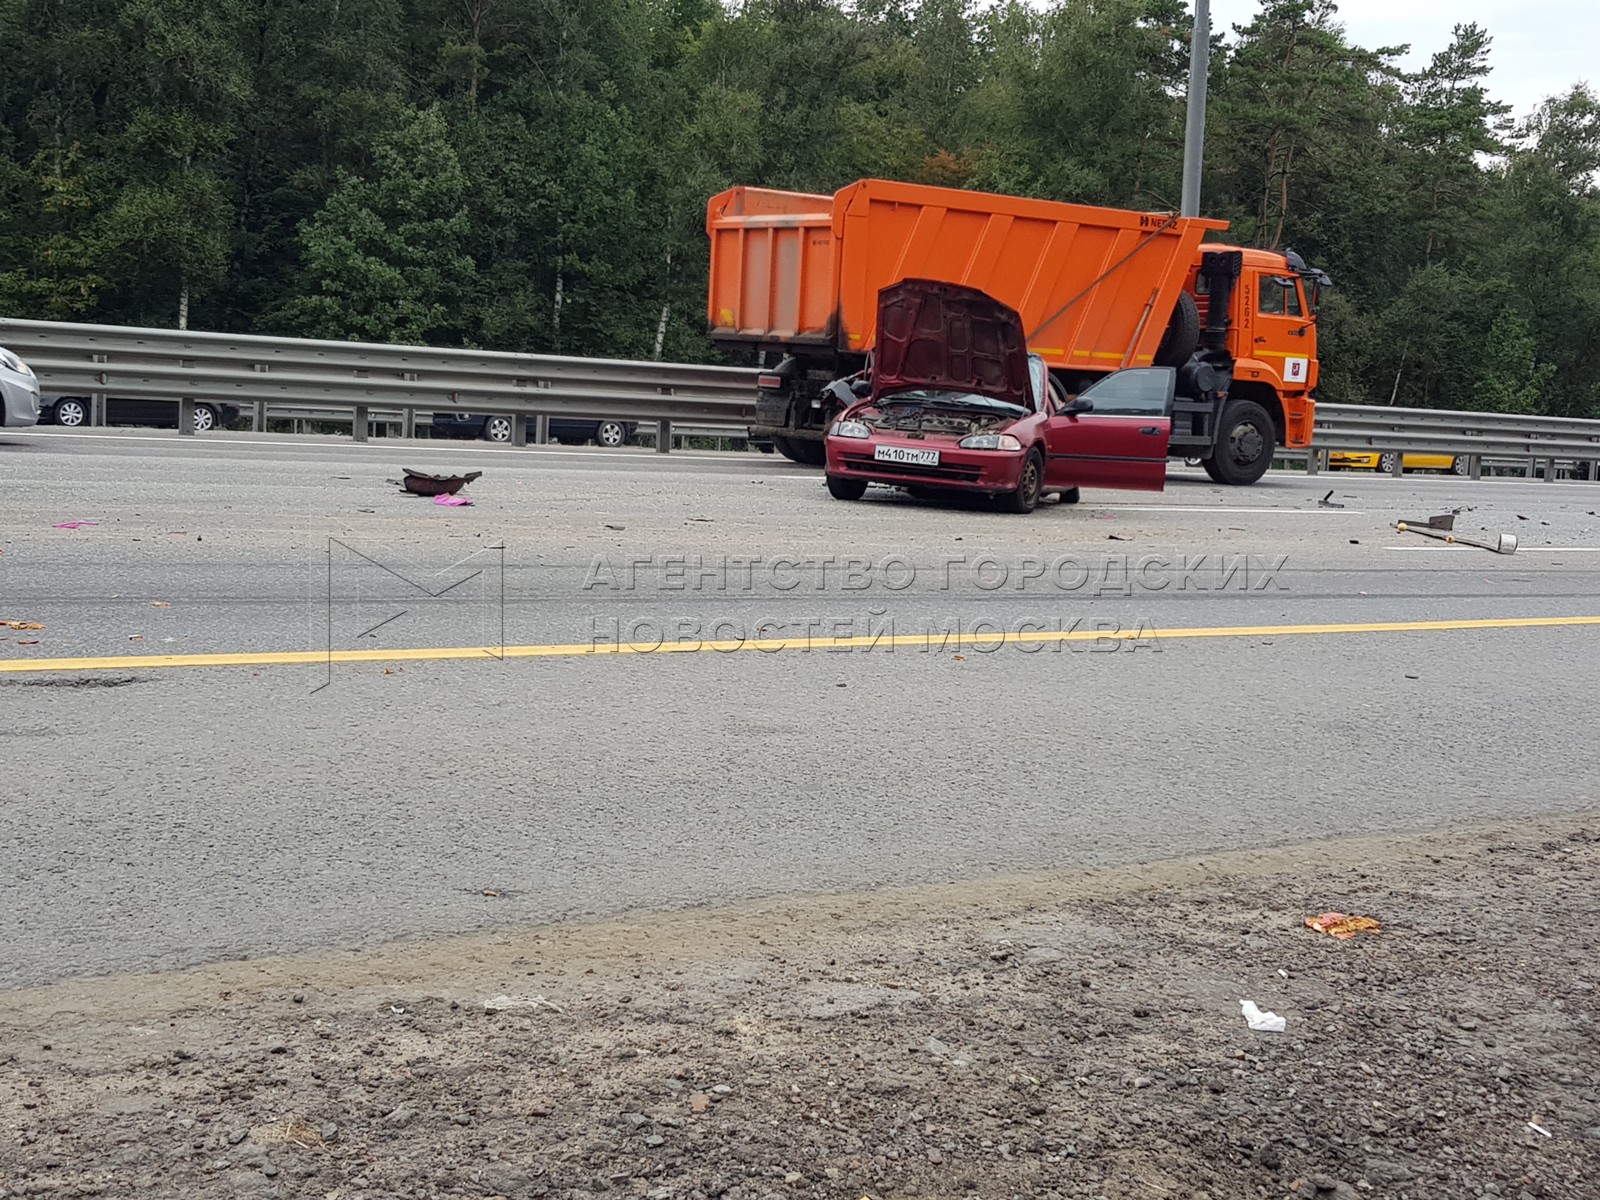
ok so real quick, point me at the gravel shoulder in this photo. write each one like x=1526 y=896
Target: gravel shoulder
x=1054 y=1034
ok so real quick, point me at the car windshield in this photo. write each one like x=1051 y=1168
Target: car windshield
x=949 y=399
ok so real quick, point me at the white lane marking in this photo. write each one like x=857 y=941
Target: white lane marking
x=1302 y=512
x=424 y=444
x=1520 y=549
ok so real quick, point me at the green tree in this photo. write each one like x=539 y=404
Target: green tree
x=387 y=258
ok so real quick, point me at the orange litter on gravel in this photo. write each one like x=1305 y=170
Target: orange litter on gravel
x=1341 y=926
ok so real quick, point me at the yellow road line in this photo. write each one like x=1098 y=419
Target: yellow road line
x=284 y=658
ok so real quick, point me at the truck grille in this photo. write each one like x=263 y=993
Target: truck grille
x=953 y=473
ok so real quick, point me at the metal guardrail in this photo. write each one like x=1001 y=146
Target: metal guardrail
x=1472 y=436
x=257 y=372
x=272 y=374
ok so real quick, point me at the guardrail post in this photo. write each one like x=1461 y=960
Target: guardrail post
x=408 y=423
x=541 y=429
x=1398 y=468
x=1313 y=460
x=519 y=429
x=664 y=436
x=258 y=417
x=1549 y=470
x=1474 y=466
x=359 y=424
x=186 y=416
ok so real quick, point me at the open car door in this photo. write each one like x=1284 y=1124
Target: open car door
x=1114 y=433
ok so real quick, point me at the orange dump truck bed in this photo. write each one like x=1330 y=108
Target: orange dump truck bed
x=1094 y=286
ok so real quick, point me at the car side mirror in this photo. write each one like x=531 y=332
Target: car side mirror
x=1078 y=404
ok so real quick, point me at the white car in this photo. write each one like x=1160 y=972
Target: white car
x=19 y=392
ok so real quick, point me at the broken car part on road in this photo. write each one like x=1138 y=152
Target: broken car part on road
x=1442 y=528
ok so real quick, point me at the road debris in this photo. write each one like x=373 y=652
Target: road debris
x=1442 y=528
x=1328 y=501
x=421 y=483
x=1264 y=1022
x=1539 y=1129
x=20 y=625
x=74 y=524
x=449 y=500
x=1341 y=926
x=288 y=1131
x=509 y=1003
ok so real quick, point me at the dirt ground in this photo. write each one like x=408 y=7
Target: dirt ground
x=1071 y=1034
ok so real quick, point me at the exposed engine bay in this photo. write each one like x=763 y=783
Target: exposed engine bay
x=932 y=414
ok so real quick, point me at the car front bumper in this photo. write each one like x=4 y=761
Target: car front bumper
x=989 y=471
x=19 y=399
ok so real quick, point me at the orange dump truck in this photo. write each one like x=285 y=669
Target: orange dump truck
x=796 y=276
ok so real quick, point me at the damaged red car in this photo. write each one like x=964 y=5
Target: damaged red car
x=954 y=402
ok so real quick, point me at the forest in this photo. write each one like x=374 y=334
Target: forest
x=532 y=174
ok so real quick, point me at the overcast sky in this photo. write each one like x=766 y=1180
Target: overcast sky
x=1541 y=47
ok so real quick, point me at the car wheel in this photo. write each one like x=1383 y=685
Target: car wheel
x=497 y=428
x=1458 y=465
x=206 y=418
x=1244 y=444
x=1386 y=463
x=841 y=488
x=610 y=433
x=1030 y=486
x=70 y=412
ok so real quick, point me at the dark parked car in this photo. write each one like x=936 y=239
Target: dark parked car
x=497 y=428
x=120 y=410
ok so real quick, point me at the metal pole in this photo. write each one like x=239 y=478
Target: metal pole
x=1194 y=134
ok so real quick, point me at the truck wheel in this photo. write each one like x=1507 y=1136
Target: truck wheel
x=806 y=453
x=1244 y=444
x=1029 y=487
x=1182 y=335
x=841 y=488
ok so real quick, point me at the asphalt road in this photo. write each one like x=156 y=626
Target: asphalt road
x=341 y=790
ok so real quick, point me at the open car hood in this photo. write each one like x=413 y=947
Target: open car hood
x=949 y=337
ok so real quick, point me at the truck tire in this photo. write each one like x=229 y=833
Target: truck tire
x=1245 y=442
x=801 y=450
x=1182 y=335
x=1030 y=486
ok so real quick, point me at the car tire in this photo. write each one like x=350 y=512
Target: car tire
x=206 y=418
x=71 y=413
x=1244 y=445
x=1386 y=463
x=1459 y=465
x=498 y=428
x=841 y=488
x=611 y=434
x=1030 y=486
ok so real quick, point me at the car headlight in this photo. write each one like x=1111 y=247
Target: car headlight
x=851 y=429
x=15 y=363
x=990 y=441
